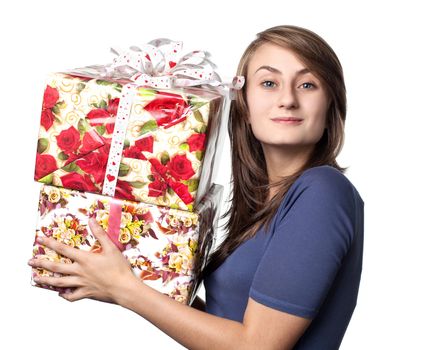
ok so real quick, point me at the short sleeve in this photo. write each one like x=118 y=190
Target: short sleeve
x=313 y=232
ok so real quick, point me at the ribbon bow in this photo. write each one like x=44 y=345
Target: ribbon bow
x=159 y=64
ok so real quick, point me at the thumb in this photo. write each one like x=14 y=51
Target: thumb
x=100 y=234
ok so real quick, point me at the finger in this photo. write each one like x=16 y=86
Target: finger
x=75 y=295
x=60 y=248
x=63 y=268
x=101 y=235
x=63 y=282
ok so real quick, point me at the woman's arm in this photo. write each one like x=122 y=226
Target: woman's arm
x=262 y=327
x=107 y=276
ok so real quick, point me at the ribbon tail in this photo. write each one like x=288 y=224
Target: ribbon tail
x=115 y=213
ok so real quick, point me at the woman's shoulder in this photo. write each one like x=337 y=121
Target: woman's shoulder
x=321 y=190
x=326 y=182
x=325 y=175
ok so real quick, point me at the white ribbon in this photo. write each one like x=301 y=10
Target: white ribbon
x=159 y=64
x=118 y=137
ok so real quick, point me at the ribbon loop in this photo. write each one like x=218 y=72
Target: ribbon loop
x=159 y=64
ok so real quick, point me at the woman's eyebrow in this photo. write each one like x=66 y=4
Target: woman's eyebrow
x=274 y=70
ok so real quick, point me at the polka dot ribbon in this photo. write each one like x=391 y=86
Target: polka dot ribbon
x=117 y=144
x=159 y=64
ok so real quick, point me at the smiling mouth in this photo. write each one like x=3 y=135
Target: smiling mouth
x=289 y=120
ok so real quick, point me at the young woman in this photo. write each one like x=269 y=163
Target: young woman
x=287 y=274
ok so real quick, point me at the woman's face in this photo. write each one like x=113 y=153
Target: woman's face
x=287 y=103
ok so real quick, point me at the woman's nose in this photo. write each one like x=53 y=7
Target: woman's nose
x=287 y=98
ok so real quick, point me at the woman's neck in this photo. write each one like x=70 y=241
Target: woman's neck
x=282 y=162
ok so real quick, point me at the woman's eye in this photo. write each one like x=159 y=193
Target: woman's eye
x=308 y=85
x=268 y=84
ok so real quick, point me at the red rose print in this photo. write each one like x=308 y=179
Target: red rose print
x=69 y=140
x=91 y=141
x=45 y=164
x=51 y=95
x=94 y=164
x=107 y=141
x=112 y=108
x=97 y=116
x=157 y=188
x=47 y=118
x=105 y=116
x=145 y=144
x=180 y=168
x=182 y=191
x=133 y=152
x=168 y=109
x=123 y=190
x=110 y=127
x=76 y=181
x=196 y=142
x=157 y=168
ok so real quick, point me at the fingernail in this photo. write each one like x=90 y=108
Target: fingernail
x=39 y=240
x=36 y=279
x=30 y=262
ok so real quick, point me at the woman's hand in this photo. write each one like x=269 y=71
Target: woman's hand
x=94 y=275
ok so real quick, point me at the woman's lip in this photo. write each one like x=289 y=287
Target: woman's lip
x=289 y=120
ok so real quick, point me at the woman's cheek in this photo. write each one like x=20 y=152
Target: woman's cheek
x=259 y=131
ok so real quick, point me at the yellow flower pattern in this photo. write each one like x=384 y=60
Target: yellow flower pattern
x=160 y=243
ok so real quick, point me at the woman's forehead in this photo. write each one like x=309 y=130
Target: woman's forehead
x=276 y=59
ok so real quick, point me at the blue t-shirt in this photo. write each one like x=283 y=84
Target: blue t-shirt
x=308 y=264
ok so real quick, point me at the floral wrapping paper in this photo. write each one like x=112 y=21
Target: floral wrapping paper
x=169 y=150
x=167 y=248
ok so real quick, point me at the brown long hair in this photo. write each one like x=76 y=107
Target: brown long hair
x=250 y=208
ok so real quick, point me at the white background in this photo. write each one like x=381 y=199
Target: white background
x=386 y=50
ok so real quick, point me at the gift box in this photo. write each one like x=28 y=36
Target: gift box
x=167 y=248
x=153 y=139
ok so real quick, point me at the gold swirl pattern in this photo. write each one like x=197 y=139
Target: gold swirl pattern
x=139 y=178
x=93 y=99
x=52 y=139
x=174 y=140
x=143 y=193
x=178 y=203
x=138 y=108
x=134 y=129
x=164 y=200
x=67 y=84
x=136 y=165
x=76 y=99
x=81 y=113
x=72 y=118
x=105 y=91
